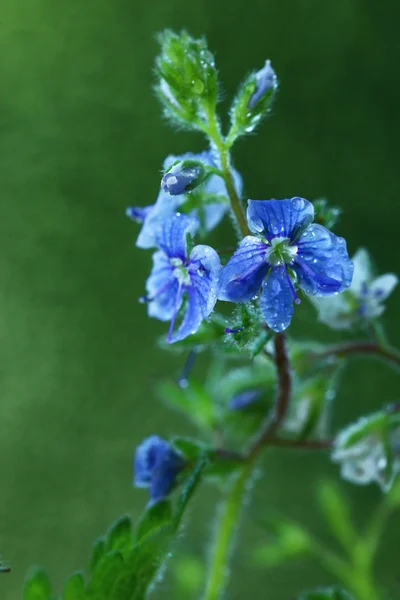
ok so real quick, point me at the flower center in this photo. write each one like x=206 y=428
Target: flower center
x=180 y=272
x=280 y=252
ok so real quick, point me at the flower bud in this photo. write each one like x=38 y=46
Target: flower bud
x=266 y=81
x=183 y=177
x=187 y=78
x=253 y=101
x=157 y=466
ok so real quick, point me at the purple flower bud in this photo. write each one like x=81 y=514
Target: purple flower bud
x=245 y=398
x=265 y=81
x=183 y=177
x=156 y=466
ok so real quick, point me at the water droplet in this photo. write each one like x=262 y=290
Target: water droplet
x=297 y=203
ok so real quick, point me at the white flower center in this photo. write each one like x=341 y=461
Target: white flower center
x=280 y=251
x=180 y=272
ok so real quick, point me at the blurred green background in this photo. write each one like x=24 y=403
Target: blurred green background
x=81 y=137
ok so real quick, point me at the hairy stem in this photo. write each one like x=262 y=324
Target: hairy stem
x=363 y=347
x=267 y=431
x=212 y=130
x=225 y=531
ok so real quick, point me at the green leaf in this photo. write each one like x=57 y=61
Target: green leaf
x=98 y=551
x=105 y=575
x=188 y=490
x=156 y=516
x=74 y=588
x=37 y=586
x=336 y=512
x=191 y=449
x=331 y=593
x=119 y=536
x=288 y=540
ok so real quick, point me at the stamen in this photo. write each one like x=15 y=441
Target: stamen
x=183 y=380
x=175 y=313
x=295 y=296
x=145 y=299
x=227 y=330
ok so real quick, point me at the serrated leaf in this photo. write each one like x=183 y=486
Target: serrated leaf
x=74 y=588
x=119 y=536
x=156 y=516
x=105 y=575
x=97 y=554
x=37 y=586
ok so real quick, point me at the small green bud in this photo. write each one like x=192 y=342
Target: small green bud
x=188 y=84
x=253 y=101
x=326 y=215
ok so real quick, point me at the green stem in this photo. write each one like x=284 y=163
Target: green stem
x=225 y=531
x=212 y=130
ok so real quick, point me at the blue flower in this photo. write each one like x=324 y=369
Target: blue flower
x=288 y=250
x=365 y=298
x=211 y=212
x=156 y=466
x=265 y=80
x=175 y=275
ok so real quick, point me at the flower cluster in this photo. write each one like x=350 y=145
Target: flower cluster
x=286 y=252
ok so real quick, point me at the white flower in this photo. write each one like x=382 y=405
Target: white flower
x=367 y=459
x=364 y=298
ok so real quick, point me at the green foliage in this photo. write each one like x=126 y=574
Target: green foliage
x=325 y=214
x=335 y=509
x=243 y=119
x=287 y=540
x=331 y=593
x=125 y=562
x=38 y=586
x=187 y=79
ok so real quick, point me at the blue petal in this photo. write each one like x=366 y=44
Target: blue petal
x=162 y=288
x=139 y=213
x=245 y=398
x=277 y=299
x=164 y=477
x=163 y=209
x=322 y=263
x=204 y=270
x=279 y=218
x=242 y=276
x=148 y=456
x=171 y=234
